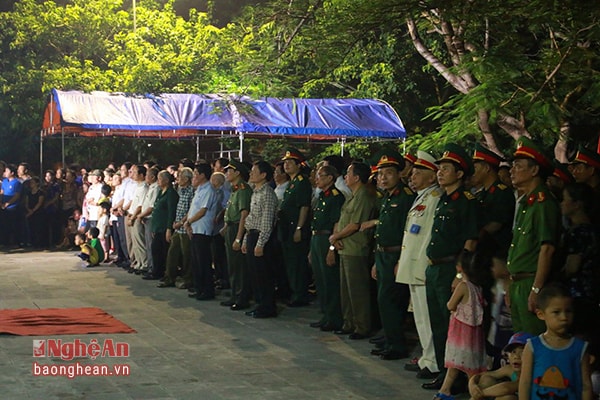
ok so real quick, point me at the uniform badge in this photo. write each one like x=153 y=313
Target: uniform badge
x=455 y=196
x=541 y=197
x=531 y=199
x=492 y=189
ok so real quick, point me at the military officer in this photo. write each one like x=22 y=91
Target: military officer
x=586 y=169
x=238 y=207
x=535 y=234
x=497 y=204
x=326 y=270
x=392 y=297
x=454 y=229
x=413 y=258
x=294 y=225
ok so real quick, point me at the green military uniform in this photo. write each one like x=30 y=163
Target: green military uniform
x=392 y=297
x=239 y=201
x=455 y=222
x=326 y=213
x=354 y=262
x=497 y=204
x=295 y=255
x=537 y=222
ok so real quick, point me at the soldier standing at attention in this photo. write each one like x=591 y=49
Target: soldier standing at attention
x=413 y=258
x=392 y=297
x=586 y=169
x=454 y=229
x=238 y=207
x=535 y=235
x=294 y=227
x=324 y=261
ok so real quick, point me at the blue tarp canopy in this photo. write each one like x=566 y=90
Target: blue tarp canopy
x=190 y=115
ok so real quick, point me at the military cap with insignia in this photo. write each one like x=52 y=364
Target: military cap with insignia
x=527 y=148
x=562 y=172
x=486 y=155
x=587 y=156
x=390 y=158
x=238 y=166
x=293 y=153
x=425 y=161
x=457 y=155
x=410 y=158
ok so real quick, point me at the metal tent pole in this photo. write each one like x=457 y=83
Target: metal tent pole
x=42 y=153
x=62 y=138
x=241 y=146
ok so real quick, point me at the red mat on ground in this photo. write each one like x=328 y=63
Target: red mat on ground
x=60 y=321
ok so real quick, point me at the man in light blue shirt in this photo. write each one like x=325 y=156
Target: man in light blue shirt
x=199 y=226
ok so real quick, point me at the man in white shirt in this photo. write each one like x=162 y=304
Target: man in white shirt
x=138 y=239
x=146 y=214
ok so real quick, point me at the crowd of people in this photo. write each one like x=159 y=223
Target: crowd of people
x=470 y=245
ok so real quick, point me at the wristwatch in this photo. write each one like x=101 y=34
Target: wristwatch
x=332 y=248
x=535 y=290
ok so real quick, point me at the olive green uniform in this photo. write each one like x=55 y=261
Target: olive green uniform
x=295 y=255
x=537 y=222
x=497 y=204
x=392 y=297
x=326 y=213
x=355 y=279
x=454 y=223
x=238 y=271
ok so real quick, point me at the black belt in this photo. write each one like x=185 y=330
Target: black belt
x=521 y=275
x=232 y=223
x=388 y=249
x=442 y=260
x=321 y=232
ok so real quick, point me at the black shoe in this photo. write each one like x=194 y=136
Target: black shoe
x=435 y=384
x=262 y=314
x=250 y=313
x=413 y=368
x=357 y=336
x=377 y=351
x=317 y=324
x=150 y=277
x=131 y=270
x=138 y=272
x=342 y=332
x=425 y=373
x=227 y=303
x=165 y=284
x=192 y=294
x=204 y=296
x=239 y=307
x=298 y=303
x=328 y=327
x=377 y=339
x=393 y=355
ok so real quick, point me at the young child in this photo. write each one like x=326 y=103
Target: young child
x=104 y=228
x=502 y=383
x=88 y=253
x=93 y=234
x=465 y=346
x=556 y=365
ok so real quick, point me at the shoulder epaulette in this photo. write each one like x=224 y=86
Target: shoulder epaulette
x=502 y=186
x=300 y=177
x=408 y=191
x=468 y=195
x=541 y=197
x=335 y=192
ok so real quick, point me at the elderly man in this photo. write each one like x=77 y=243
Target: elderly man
x=413 y=258
x=138 y=239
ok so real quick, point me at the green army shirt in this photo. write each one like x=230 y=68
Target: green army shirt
x=326 y=211
x=497 y=204
x=454 y=223
x=238 y=202
x=297 y=195
x=392 y=216
x=537 y=222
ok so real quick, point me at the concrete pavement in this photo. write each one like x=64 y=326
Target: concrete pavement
x=184 y=348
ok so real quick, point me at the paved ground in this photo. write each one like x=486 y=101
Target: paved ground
x=183 y=348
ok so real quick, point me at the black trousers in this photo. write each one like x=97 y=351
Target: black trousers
x=160 y=247
x=262 y=275
x=202 y=273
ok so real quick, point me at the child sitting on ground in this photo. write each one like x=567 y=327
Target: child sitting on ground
x=503 y=383
x=88 y=253
x=556 y=365
x=93 y=234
